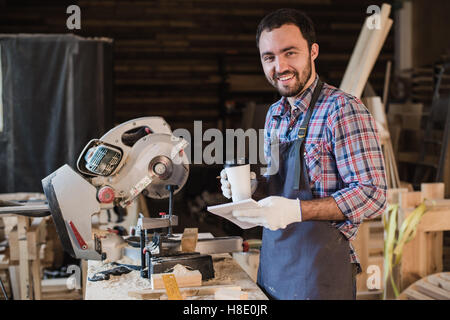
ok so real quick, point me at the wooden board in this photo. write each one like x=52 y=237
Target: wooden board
x=189 y=240
x=186 y=292
x=365 y=53
x=35 y=235
x=185 y=278
x=230 y=294
x=24 y=266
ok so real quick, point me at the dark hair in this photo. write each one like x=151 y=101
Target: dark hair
x=284 y=16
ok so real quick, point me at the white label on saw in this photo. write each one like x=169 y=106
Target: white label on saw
x=140 y=186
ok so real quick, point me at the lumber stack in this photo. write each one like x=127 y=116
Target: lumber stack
x=366 y=51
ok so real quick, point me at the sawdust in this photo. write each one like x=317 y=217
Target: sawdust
x=226 y=270
x=117 y=287
x=180 y=270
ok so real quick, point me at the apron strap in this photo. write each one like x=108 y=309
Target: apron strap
x=303 y=131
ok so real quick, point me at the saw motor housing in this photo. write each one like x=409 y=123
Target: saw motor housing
x=139 y=156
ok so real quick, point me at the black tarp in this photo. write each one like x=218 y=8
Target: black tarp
x=56 y=95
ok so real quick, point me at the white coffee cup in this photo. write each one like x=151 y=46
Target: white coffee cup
x=238 y=174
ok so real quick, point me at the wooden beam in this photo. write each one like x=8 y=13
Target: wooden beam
x=435 y=220
x=186 y=279
x=24 y=267
x=433 y=190
x=365 y=53
x=361 y=246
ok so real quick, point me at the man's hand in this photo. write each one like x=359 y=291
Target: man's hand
x=226 y=186
x=275 y=213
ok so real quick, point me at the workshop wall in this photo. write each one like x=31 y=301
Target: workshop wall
x=195 y=60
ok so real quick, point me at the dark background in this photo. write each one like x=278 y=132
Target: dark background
x=186 y=60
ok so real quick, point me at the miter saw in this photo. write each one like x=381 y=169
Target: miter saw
x=141 y=155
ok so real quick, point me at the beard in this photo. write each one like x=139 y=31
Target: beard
x=297 y=87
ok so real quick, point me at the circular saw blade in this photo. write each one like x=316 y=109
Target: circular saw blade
x=167 y=148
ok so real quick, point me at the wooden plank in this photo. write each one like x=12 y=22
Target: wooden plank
x=432 y=291
x=249 y=261
x=433 y=190
x=412 y=294
x=438 y=281
x=22 y=196
x=435 y=252
x=54 y=285
x=230 y=294
x=186 y=292
x=376 y=109
x=386 y=82
x=395 y=175
x=189 y=240
x=62 y=295
x=410 y=199
x=373 y=50
x=361 y=246
x=437 y=204
x=414 y=256
x=35 y=235
x=142 y=205
x=369 y=295
x=184 y=279
x=36 y=273
x=435 y=220
x=24 y=268
x=393 y=195
x=84 y=272
x=367 y=49
x=361 y=43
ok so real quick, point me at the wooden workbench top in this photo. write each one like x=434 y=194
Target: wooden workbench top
x=227 y=272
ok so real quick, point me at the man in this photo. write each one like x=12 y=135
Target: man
x=330 y=173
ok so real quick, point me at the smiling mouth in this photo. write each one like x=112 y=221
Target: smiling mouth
x=286 y=78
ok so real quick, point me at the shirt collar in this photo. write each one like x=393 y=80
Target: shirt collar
x=302 y=102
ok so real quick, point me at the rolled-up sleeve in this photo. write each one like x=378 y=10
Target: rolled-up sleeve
x=359 y=161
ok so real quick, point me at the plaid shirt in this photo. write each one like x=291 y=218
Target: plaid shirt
x=342 y=151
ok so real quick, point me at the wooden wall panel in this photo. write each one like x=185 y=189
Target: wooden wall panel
x=184 y=59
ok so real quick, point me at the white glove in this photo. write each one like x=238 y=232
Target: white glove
x=275 y=213
x=226 y=186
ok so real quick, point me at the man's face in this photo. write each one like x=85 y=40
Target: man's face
x=286 y=59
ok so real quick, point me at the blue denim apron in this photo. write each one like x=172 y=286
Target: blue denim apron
x=306 y=260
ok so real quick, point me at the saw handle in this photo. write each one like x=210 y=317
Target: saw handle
x=130 y=137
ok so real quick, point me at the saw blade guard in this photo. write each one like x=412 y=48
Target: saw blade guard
x=155 y=161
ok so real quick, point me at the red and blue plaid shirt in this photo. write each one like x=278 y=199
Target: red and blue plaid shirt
x=342 y=151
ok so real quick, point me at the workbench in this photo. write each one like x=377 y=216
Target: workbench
x=227 y=272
